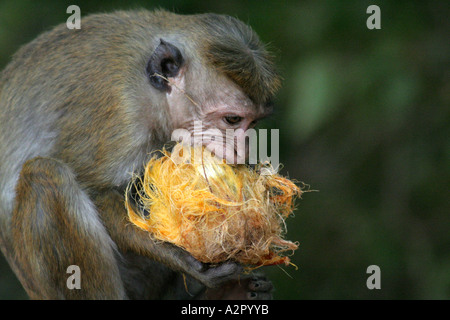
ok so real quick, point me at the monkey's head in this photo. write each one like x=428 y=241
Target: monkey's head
x=103 y=97
x=212 y=74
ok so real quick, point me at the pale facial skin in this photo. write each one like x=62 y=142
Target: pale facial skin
x=208 y=121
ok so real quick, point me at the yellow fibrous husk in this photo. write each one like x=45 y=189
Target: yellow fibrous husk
x=213 y=210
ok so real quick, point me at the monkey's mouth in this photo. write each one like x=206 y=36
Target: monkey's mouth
x=136 y=189
x=231 y=155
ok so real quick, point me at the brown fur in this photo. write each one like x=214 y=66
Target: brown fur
x=235 y=50
x=78 y=116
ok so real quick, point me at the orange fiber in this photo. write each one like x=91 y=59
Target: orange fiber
x=214 y=210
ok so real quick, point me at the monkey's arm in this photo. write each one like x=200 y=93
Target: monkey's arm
x=129 y=237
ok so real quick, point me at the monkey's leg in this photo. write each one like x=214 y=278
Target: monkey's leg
x=55 y=225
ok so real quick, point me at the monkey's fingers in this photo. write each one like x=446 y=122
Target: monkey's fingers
x=253 y=287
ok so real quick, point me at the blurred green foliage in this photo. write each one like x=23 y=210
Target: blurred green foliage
x=363 y=118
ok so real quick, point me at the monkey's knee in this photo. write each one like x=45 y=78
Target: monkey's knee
x=40 y=193
x=41 y=170
x=44 y=188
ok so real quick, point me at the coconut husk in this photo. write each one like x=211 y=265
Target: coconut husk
x=213 y=210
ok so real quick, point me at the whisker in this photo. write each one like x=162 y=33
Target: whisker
x=182 y=91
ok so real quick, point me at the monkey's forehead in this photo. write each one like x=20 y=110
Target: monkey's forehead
x=236 y=51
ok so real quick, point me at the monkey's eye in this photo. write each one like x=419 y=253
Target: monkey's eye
x=232 y=119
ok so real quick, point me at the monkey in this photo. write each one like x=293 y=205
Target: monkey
x=82 y=110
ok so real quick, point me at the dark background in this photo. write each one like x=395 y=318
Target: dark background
x=363 y=118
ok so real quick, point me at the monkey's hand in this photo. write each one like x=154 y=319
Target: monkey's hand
x=212 y=276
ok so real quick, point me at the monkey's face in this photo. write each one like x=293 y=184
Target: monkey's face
x=221 y=121
x=211 y=109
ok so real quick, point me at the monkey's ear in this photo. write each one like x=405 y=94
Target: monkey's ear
x=165 y=62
